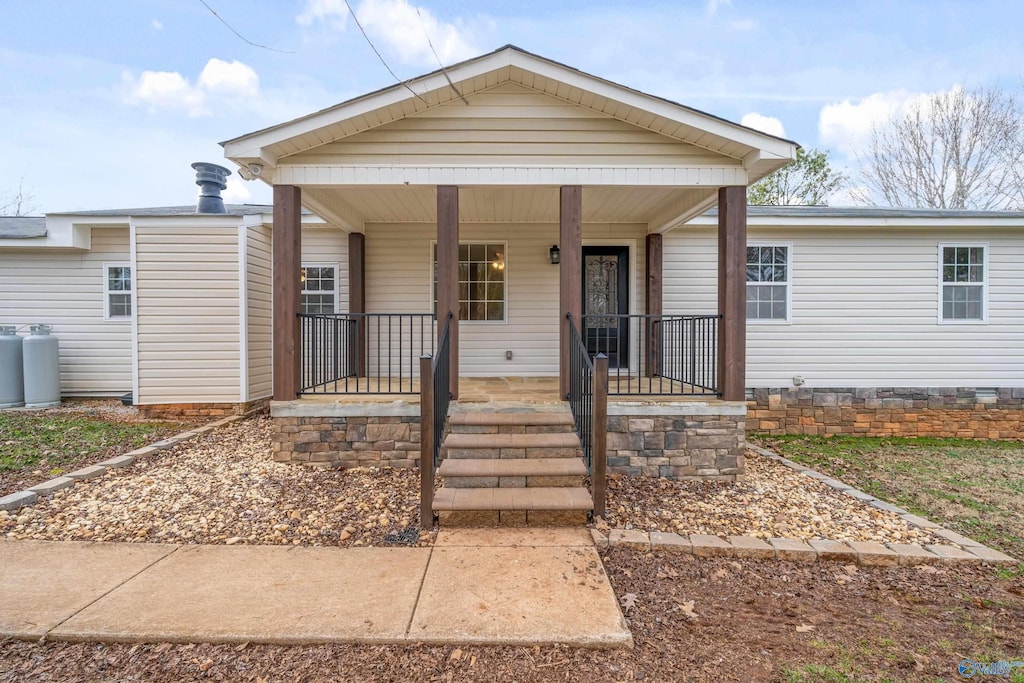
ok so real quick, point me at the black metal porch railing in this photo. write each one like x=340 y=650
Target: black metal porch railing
x=588 y=401
x=442 y=395
x=435 y=399
x=351 y=353
x=660 y=355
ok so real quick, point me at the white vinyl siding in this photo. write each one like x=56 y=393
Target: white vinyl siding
x=513 y=123
x=259 y=324
x=864 y=305
x=66 y=289
x=398 y=275
x=187 y=311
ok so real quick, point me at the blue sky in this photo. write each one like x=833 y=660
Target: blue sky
x=104 y=104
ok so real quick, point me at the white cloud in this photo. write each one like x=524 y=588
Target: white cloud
x=237 y=191
x=397 y=24
x=331 y=12
x=714 y=5
x=765 y=124
x=157 y=24
x=219 y=80
x=229 y=78
x=847 y=125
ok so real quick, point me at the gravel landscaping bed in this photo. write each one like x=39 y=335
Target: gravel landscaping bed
x=773 y=501
x=224 y=488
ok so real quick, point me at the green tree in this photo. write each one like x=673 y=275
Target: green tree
x=810 y=180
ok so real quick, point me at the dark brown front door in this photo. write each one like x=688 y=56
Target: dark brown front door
x=606 y=303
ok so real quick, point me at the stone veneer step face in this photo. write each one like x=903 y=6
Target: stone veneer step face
x=553 y=498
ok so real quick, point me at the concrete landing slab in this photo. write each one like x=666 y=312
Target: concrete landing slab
x=518 y=596
x=506 y=537
x=42 y=583
x=236 y=594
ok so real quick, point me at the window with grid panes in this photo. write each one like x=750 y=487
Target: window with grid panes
x=963 y=282
x=117 y=290
x=318 y=289
x=768 y=282
x=481 y=281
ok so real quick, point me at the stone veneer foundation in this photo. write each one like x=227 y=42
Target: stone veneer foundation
x=346 y=435
x=681 y=440
x=176 y=411
x=932 y=411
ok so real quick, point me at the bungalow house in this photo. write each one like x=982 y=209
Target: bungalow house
x=459 y=254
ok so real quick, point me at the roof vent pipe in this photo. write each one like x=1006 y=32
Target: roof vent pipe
x=211 y=179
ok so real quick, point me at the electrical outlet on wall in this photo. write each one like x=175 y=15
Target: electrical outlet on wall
x=508 y=355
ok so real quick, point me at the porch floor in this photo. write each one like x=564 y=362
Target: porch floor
x=502 y=389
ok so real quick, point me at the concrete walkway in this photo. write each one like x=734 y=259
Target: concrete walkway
x=508 y=586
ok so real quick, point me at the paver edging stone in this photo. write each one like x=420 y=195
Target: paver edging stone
x=19 y=499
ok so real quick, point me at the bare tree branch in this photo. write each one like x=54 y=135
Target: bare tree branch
x=953 y=150
x=18 y=203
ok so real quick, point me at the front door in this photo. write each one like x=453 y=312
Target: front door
x=606 y=303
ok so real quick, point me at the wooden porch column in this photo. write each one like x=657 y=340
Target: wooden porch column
x=357 y=295
x=732 y=292
x=570 y=274
x=448 y=272
x=287 y=263
x=653 y=300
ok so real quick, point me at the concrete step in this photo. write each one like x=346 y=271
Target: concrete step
x=574 y=498
x=488 y=446
x=517 y=472
x=510 y=423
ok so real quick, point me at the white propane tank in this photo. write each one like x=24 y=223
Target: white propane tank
x=12 y=376
x=41 y=355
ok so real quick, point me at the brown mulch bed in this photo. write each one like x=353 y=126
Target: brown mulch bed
x=714 y=620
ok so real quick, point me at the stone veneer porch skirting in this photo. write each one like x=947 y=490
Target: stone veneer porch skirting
x=691 y=440
x=963 y=412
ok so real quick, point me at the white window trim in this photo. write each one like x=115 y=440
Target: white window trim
x=984 y=284
x=430 y=277
x=788 y=320
x=107 y=292
x=337 y=285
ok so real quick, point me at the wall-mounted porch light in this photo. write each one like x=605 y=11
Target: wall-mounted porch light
x=554 y=255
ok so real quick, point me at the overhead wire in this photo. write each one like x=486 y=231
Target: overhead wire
x=380 y=56
x=221 y=19
x=443 y=69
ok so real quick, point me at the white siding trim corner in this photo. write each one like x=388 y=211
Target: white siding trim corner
x=135 y=312
x=243 y=315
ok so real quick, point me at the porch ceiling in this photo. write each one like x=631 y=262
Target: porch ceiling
x=353 y=207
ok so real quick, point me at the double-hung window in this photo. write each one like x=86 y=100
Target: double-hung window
x=768 y=282
x=319 y=288
x=117 y=291
x=482 y=279
x=963 y=280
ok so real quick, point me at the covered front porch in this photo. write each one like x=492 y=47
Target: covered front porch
x=504 y=222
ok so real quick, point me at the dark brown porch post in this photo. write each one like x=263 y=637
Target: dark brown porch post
x=357 y=295
x=732 y=291
x=287 y=262
x=570 y=237
x=653 y=300
x=448 y=272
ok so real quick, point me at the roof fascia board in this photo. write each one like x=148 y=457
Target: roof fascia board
x=804 y=222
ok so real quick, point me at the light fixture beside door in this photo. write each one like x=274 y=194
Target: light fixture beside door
x=554 y=255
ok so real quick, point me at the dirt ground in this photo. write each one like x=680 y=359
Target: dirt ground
x=700 y=620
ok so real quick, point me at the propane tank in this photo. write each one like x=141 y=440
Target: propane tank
x=12 y=377
x=41 y=356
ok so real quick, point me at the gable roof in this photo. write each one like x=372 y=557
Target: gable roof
x=760 y=152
